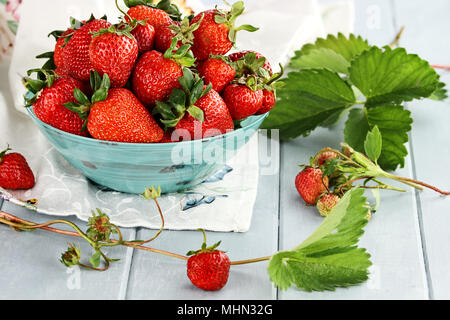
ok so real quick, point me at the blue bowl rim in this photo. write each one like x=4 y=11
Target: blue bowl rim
x=252 y=120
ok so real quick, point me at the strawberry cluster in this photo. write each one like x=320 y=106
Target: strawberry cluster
x=151 y=76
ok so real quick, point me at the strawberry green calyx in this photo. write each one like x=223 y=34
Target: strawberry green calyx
x=152 y=193
x=183 y=100
x=71 y=257
x=121 y=29
x=250 y=71
x=75 y=25
x=204 y=248
x=99 y=227
x=229 y=18
x=100 y=87
x=44 y=78
x=183 y=55
x=185 y=31
x=58 y=34
x=171 y=9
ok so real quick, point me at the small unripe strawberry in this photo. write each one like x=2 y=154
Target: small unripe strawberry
x=323 y=157
x=326 y=203
x=311 y=184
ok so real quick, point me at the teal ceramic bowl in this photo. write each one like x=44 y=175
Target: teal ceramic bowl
x=131 y=167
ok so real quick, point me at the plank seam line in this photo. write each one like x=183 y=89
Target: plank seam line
x=420 y=221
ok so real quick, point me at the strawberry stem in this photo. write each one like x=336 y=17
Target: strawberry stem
x=236 y=263
x=438 y=66
x=414 y=183
x=394 y=43
x=159 y=231
x=123 y=12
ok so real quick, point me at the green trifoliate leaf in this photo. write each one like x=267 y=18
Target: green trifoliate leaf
x=387 y=76
x=373 y=144
x=308 y=98
x=328 y=258
x=393 y=122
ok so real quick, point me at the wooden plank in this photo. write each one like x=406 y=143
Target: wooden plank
x=392 y=236
x=425 y=34
x=160 y=277
x=31 y=270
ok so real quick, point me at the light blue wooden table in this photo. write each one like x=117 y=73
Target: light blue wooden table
x=408 y=238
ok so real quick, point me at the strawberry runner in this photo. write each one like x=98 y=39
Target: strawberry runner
x=61 y=190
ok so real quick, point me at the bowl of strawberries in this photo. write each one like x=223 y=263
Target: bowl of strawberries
x=156 y=99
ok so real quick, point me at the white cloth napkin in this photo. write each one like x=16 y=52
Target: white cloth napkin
x=61 y=190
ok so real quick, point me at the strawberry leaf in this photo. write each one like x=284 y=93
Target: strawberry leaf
x=393 y=122
x=306 y=100
x=328 y=258
x=392 y=76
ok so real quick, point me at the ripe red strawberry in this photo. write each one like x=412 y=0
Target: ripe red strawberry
x=216 y=71
x=239 y=55
x=156 y=75
x=217 y=118
x=76 y=52
x=217 y=33
x=49 y=107
x=268 y=101
x=58 y=55
x=123 y=118
x=311 y=184
x=208 y=268
x=242 y=101
x=326 y=203
x=114 y=52
x=145 y=34
x=15 y=173
x=163 y=38
x=167 y=138
x=153 y=16
x=203 y=113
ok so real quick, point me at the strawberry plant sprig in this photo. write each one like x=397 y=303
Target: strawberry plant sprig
x=324 y=250
x=348 y=166
x=98 y=235
x=340 y=74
